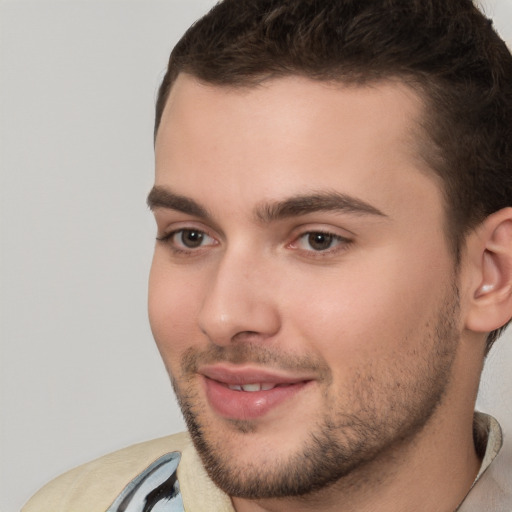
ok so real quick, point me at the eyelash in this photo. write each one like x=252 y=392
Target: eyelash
x=168 y=238
x=341 y=242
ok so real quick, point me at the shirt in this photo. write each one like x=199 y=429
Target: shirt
x=166 y=475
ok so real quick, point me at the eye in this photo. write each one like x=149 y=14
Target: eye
x=319 y=241
x=188 y=239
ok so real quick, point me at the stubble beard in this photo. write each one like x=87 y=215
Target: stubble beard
x=392 y=408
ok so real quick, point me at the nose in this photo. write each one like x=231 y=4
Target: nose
x=238 y=301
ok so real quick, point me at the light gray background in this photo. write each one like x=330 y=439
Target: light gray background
x=80 y=375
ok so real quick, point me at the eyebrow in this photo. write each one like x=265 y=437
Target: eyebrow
x=160 y=197
x=331 y=201
x=317 y=202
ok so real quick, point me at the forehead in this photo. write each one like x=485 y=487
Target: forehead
x=191 y=100
x=288 y=135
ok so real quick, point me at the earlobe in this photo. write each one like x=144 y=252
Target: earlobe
x=491 y=256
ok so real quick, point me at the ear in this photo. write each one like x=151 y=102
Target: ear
x=489 y=251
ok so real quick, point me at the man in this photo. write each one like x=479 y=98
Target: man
x=333 y=199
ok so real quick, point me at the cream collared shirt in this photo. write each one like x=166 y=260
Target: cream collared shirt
x=169 y=469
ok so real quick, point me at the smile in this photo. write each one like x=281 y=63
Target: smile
x=243 y=393
x=251 y=388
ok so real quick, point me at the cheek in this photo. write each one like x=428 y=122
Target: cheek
x=172 y=308
x=368 y=309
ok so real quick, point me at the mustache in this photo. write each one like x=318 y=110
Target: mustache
x=253 y=353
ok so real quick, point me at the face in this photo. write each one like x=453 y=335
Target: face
x=302 y=292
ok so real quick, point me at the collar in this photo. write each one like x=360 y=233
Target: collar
x=491 y=490
x=177 y=481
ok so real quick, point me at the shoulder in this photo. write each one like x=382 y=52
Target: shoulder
x=94 y=486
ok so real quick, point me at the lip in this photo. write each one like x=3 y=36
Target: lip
x=244 y=405
x=240 y=375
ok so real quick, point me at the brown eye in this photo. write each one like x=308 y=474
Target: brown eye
x=320 y=241
x=190 y=238
x=188 y=241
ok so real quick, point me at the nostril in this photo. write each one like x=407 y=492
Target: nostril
x=245 y=336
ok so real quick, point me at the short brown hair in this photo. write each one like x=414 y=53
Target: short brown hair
x=446 y=49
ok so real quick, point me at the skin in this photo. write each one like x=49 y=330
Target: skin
x=374 y=320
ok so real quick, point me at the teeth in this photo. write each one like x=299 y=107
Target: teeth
x=251 y=387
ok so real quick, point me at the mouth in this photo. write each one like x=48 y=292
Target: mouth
x=243 y=393
x=251 y=388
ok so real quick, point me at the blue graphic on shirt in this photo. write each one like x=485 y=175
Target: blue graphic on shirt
x=156 y=489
